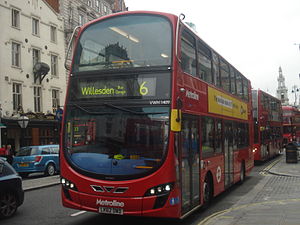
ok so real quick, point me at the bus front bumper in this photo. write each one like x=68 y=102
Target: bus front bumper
x=152 y=206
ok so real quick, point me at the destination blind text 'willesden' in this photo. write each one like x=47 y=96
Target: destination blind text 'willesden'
x=93 y=91
x=101 y=88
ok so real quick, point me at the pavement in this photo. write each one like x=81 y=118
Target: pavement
x=40 y=182
x=275 y=200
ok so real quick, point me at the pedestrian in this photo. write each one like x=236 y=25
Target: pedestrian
x=9 y=154
x=2 y=151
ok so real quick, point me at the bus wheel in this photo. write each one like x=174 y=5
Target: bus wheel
x=207 y=191
x=242 y=173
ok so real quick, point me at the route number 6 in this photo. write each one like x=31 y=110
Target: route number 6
x=143 y=89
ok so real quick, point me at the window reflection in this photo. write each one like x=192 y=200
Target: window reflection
x=124 y=42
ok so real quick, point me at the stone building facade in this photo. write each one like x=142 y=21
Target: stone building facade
x=32 y=78
x=35 y=34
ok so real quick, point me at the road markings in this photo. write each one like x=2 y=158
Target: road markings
x=222 y=214
x=78 y=213
x=265 y=171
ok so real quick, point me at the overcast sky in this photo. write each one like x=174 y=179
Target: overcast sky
x=255 y=36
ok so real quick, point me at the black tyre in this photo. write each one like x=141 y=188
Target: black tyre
x=207 y=191
x=242 y=174
x=8 y=204
x=50 y=169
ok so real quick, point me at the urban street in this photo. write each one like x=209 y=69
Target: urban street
x=149 y=112
x=43 y=206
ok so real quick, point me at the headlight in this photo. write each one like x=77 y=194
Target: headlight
x=67 y=184
x=160 y=189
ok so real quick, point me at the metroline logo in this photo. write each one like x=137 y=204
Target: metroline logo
x=109 y=203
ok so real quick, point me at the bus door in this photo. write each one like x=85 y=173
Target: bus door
x=190 y=175
x=228 y=153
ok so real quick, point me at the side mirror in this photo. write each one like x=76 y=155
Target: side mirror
x=176 y=116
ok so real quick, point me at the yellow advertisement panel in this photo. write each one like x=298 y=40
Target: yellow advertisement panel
x=226 y=105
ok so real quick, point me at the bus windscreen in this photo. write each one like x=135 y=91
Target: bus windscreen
x=124 y=42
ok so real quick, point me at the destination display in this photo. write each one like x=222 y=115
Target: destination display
x=128 y=87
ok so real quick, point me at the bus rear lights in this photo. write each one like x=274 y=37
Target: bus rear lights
x=254 y=150
x=68 y=184
x=159 y=190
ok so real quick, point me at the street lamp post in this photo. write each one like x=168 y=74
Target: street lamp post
x=23 y=122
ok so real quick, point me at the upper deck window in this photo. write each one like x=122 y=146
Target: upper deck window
x=188 y=53
x=204 y=63
x=124 y=41
x=225 y=76
x=216 y=70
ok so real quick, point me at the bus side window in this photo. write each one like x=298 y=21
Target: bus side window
x=208 y=133
x=232 y=81
x=243 y=135
x=218 y=136
x=204 y=63
x=245 y=88
x=216 y=70
x=225 y=76
x=188 y=53
x=235 y=135
x=239 y=85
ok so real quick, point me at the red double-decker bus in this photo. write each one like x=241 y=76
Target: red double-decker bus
x=291 y=124
x=267 y=114
x=172 y=119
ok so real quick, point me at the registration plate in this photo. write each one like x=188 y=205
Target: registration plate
x=23 y=165
x=108 y=210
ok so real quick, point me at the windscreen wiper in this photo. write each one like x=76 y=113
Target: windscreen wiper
x=90 y=112
x=131 y=111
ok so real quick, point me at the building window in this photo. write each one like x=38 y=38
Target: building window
x=17 y=96
x=105 y=9
x=37 y=93
x=54 y=67
x=15 y=18
x=97 y=6
x=81 y=20
x=53 y=33
x=16 y=54
x=35 y=26
x=36 y=56
x=89 y=3
x=55 y=100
